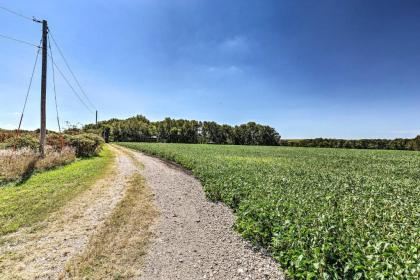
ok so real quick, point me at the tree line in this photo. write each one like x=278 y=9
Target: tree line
x=380 y=144
x=139 y=128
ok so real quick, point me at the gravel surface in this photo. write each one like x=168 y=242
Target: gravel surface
x=194 y=238
x=43 y=253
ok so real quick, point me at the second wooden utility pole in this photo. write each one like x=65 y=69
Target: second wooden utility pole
x=43 y=130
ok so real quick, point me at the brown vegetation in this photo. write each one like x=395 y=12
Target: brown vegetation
x=118 y=249
x=15 y=165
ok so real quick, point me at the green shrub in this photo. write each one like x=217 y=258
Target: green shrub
x=24 y=141
x=57 y=141
x=5 y=134
x=86 y=144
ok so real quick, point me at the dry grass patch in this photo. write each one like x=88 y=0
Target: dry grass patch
x=15 y=165
x=117 y=250
x=55 y=158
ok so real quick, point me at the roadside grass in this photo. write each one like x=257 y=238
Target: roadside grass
x=117 y=250
x=23 y=204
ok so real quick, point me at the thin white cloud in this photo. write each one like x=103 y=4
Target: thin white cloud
x=236 y=44
x=225 y=70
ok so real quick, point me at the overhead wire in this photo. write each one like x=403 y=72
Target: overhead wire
x=18 y=40
x=16 y=13
x=71 y=87
x=71 y=71
x=29 y=88
x=54 y=67
x=54 y=87
x=36 y=58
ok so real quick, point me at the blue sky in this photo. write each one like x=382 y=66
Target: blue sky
x=343 y=69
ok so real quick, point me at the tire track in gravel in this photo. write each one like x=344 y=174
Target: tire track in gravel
x=43 y=253
x=193 y=237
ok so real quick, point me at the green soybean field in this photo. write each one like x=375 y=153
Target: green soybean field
x=321 y=213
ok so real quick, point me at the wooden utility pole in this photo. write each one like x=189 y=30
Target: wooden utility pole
x=43 y=130
x=96 y=118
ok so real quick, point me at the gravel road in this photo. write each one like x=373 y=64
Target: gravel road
x=194 y=238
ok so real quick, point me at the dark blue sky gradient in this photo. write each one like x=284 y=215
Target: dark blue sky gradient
x=344 y=69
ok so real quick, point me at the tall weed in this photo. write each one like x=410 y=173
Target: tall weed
x=15 y=165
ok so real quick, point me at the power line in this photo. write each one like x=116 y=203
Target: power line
x=71 y=72
x=55 y=91
x=54 y=66
x=29 y=88
x=16 y=13
x=71 y=87
x=19 y=41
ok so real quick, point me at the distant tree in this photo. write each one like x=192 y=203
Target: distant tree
x=415 y=143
